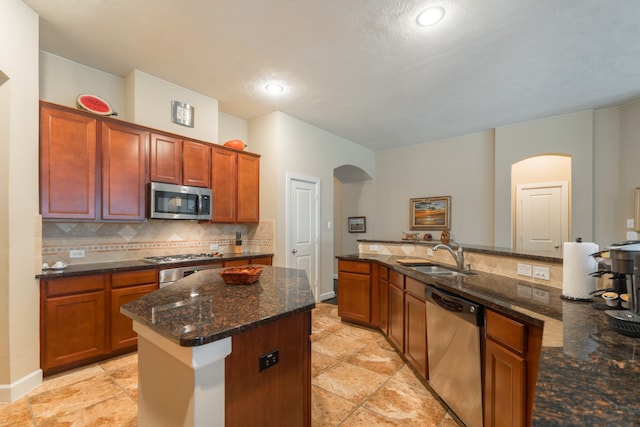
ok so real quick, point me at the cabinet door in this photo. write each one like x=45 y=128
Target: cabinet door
x=124 y=172
x=505 y=382
x=416 y=333
x=384 y=306
x=354 y=297
x=266 y=260
x=248 y=208
x=396 y=316
x=196 y=164
x=223 y=183
x=74 y=329
x=165 y=159
x=68 y=144
x=122 y=334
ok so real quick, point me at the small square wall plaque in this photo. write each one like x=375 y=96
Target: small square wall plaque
x=182 y=113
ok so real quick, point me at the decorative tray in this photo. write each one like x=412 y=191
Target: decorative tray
x=243 y=275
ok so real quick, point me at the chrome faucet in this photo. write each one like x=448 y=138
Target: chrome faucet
x=459 y=257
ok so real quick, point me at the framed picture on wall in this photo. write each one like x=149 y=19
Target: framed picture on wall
x=430 y=213
x=357 y=224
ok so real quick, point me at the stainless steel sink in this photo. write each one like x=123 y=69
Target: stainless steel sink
x=436 y=270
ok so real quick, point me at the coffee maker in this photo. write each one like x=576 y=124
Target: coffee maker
x=625 y=264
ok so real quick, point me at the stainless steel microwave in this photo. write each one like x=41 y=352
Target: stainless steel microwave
x=170 y=201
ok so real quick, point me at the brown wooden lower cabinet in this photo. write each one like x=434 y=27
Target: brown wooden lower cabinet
x=358 y=293
x=383 y=284
x=415 y=346
x=396 y=316
x=80 y=318
x=279 y=395
x=75 y=329
x=512 y=351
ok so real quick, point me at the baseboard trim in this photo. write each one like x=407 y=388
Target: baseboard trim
x=327 y=295
x=17 y=389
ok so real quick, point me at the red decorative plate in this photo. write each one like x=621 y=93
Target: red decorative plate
x=94 y=104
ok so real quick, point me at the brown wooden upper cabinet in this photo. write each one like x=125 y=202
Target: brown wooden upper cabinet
x=165 y=155
x=235 y=180
x=75 y=149
x=178 y=161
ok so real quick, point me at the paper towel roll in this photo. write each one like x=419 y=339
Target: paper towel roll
x=576 y=266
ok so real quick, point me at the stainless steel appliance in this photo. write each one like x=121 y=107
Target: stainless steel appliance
x=454 y=327
x=170 y=201
x=172 y=275
x=167 y=259
x=625 y=262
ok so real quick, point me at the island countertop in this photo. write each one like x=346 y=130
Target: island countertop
x=588 y=373
x=201 y=308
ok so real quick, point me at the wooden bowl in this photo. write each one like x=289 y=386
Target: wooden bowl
x=242 y=275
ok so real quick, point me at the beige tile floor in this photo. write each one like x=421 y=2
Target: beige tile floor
x=357 y=380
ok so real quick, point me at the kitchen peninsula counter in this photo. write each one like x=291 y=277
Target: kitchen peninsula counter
x=230 y=355
x=587 y=372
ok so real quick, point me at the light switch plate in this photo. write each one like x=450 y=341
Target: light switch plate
x=78 y=253
x=540 y=272
x=524 y=270
x=630 y=223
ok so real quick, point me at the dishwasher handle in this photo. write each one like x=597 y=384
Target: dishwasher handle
x=461 y=307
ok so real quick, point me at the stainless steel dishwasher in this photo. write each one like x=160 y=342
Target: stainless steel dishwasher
x=453 y=341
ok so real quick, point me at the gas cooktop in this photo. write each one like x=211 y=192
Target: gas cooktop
x=180 y=258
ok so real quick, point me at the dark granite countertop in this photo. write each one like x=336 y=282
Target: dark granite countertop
x=588 y=373
x=110 y=267
x=489 y=250
x=201 y=308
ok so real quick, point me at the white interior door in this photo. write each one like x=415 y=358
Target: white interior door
x=303 y=226
x=542 y=217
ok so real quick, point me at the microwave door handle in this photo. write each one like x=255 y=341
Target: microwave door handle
x=199 y=208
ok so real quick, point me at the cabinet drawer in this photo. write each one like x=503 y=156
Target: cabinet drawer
x=132 y=278
x=396 y=279
x=506 y=331
x=267 y=260
x=355 y=267
x=73 y=285
x=414 y=287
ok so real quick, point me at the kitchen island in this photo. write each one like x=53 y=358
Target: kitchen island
x=216 y=354
x=587 y=373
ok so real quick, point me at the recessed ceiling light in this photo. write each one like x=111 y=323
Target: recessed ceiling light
x=430 y=16
x=274 y=88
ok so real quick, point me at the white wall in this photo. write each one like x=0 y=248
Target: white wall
x=149 y=103
x=62 y=80
x=460 y=167
x=20 y=224
x=629 y=167
x=289 y=145
x=231 y=127
x=570 y=134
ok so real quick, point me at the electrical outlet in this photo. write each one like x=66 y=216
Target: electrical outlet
x=373 y=248
x=268 y=360
x=540 y=272
x=78 y=253
x=630 y=223
x=430 y=252
x=214 y=247
x=632 y=235
x=524 y=270
x=524 y=291
x=541 y=296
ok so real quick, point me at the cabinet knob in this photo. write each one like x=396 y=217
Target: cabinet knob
x=294 y=251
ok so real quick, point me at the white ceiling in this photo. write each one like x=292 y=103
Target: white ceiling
x=362 y=69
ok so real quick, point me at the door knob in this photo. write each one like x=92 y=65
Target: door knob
x=556 y=246
x=294 y=251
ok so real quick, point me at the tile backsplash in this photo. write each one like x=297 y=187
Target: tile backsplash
x=113 y=241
